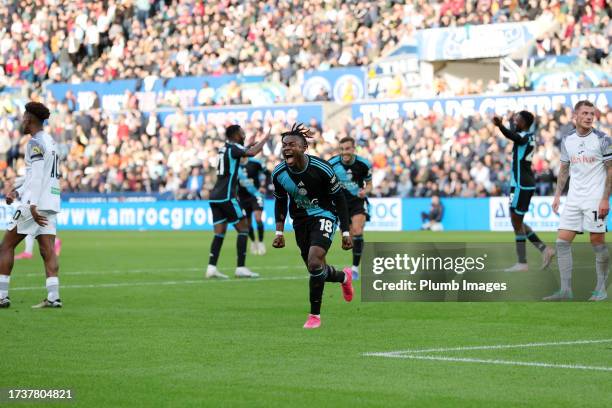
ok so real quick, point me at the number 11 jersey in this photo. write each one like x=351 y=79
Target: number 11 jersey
x=227 y=173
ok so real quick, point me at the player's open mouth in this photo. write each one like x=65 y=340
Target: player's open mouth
x=288 y=156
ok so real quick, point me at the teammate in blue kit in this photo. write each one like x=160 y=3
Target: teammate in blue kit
x=522 y=187
x=224 y=201
x=251 y=201
x=355 y=174
x=255 y=176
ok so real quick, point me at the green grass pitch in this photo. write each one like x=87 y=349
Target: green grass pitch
x=141 y=327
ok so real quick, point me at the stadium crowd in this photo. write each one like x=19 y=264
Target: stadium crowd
x=416 y=156
x=50 y=41
x=74 y=41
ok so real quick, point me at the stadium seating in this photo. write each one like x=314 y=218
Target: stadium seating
x=81 y=41
x=411 y=157
x=102 y=41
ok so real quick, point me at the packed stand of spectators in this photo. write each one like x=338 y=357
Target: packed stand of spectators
x=584 y=30
x=73 y=41
x=412 y=157
x=456 y=157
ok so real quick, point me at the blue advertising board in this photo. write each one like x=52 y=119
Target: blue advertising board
x=343 y=85
x=387 y=214
x=551 y=72
x=460 y=214
x=242 y=114
x=484 y=104
x=116 y=197
x=155 y=92
x=129 y=216
x=193 y=91
x=392 y=75
x=110 y=95
x=475 y=41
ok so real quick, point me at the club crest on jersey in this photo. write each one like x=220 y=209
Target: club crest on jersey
x=36 y=150
x=302 y=192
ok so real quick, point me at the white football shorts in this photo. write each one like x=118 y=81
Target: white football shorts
x=25 y=224
x=583 y=217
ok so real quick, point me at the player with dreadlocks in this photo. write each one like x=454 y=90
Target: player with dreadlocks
x=316 y=203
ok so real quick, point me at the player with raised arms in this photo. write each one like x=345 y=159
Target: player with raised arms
x=522 y=187
x=316 y=201
x=586 y=159
x=224 y=201
x=355 y=174
x=40 y=202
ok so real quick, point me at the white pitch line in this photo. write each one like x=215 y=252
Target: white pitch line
x=501 y=362
x=492 y=347
x=155 y=270
x=161 y=283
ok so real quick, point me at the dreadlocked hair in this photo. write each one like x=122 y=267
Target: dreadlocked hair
x=299 y=130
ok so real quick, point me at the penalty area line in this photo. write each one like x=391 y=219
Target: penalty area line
x=500 y=362
x=490 y=347
x=417 y=354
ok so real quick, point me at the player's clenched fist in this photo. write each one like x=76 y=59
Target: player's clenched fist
x=604 y=209
x=347 y=242
x=279 y=241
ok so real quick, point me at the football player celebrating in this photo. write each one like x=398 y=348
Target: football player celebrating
x=355 y=175
x=316 y=201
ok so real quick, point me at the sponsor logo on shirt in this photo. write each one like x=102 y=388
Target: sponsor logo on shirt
x=583 y=159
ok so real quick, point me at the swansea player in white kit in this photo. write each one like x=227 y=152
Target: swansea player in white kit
x=586 y=158
x=40 y=198
x=30 y=239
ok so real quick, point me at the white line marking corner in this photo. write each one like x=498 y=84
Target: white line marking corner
x=418 y=355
